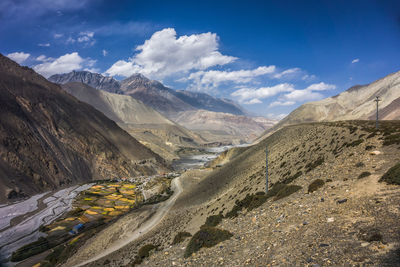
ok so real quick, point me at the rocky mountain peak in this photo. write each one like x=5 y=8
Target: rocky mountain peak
x=95 y=80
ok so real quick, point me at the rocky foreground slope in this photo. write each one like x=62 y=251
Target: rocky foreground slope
x=49 y=139
x=326 y=205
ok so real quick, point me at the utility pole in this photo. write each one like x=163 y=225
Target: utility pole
x=377 y=99
x=266 y=169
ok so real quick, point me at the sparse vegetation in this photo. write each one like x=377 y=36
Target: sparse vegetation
x=213 y=220
x=312 y=165
x=143 y=253
x=206 y=237
x=360 y=164
x=370 y=235
x=364 y=174
x=315 y=185
x=250 y=202
x=290 y=179
x=392 y=176
x=31 y=249
x=180 y=237
x=287 y=191
x=355 y=143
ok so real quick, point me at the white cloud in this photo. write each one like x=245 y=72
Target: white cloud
x=164 y=54
x=18 y=57
x=87 y=38
x=281 y=103
x=287 y=72
x=302 y=95
x=308 y=77
x=43 y=58
x=320 y=87
x=104 y=52
x=203 y=80
x=44 y=45
x=253 y=101
x=261 y=93
x=63 y=64
x=355 y=60
x=70 y=40
x=58 y=35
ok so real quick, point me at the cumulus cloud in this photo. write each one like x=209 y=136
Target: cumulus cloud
x=321 y=86
x=58 y=35
x=18 y=57
x=86 y=37
x=288 y=95
x=302 y=95
x=104 y=52
x=355 y=60
x=281 y=103
x=288 y=72
x=308 y=94
x=263 y=92
x=44 y=45
x=164 y=54
x=203 y=80
x=253 y=101
x=43 y=58
x=63 y=64
x=308 y=77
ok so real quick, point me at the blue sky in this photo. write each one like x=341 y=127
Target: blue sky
x=271 y=56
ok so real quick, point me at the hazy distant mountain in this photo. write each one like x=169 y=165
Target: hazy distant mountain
x=151 y=93
x=207 y=102
x=223 y=125
x=48 y=138
x=154 y=94
x=356 y=103
x=95 y=80
x=143 y=122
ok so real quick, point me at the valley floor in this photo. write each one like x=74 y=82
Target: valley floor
x=352 y=219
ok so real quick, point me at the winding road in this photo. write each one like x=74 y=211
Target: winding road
x=154 y=220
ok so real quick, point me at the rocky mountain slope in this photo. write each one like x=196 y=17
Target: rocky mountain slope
x=185 y=105
x=325 y=206
x=50 y=139
x=143 y=122
x=218 y=126
x=95 y=80
x=356 y=103
x=151 y=93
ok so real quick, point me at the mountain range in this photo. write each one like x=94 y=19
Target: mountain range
x=147 y=125
x=50 y=139
x=198 y=112
x=152 y=93
x=356 y=103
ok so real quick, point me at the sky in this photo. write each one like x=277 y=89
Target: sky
x=269 y=56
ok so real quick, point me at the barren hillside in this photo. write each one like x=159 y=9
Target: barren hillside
x=325 y=204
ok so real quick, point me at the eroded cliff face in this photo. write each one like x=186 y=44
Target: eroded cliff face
x=50 y=139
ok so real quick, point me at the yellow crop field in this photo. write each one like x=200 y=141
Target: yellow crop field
x=121 y=207
x=108 y=209
x=91 y=212
x=129 y=186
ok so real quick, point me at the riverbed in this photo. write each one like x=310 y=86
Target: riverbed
x=20 y=222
